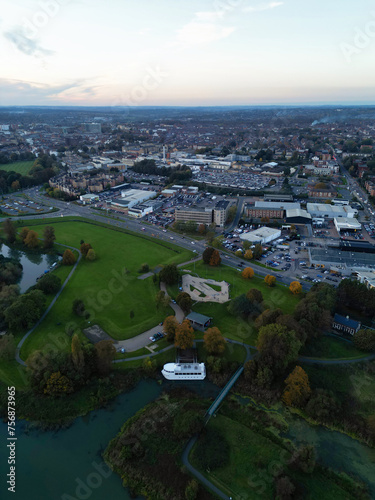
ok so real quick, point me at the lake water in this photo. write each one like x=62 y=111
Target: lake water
x=34 y=264
x=336 y=450
x=65 y=465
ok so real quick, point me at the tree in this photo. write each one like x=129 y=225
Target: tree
x=183 y=299
x=184 y=336
x=49 y=283
x=309 y=310
x=84 y=248
x=202 y=229
x=248 y=273
x=78 y=357
x=240 y=306
x=284 y=488
x=249 y=255
x=297 y=390
x=48 y=237
x=148 y=366
x=162 y=299
x=25 y=310
x=207 y=253
x=254 y=295
x=365 y=340
x=169 y=327
x=7 y=347
x=322 y=406
x=239 y=253
x=169 y=274
x=246 y=245
x=214 y=342
x=31 y=239
x=277 y=347
x=23 y=233
x=218 y=242
x=258 y=251
x=304 y=458
x=295 y=287
x=68 y=258
x=212 y=450
x=191 y=490
x=105 y=354
x=270 y=280
x=78 y=307
x=58 y=385
x=91 y=255
x=9 y=231
x=268 y=317
x=215 y=259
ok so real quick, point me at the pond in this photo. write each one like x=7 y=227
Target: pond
x=67 y=464
x=34 y=264
x=336 y=450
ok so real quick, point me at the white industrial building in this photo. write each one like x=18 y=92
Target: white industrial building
x=132 y=197
x=325 y=211
x=262 y=235
x=140 y=211
x=89 y=198
x=346 y=224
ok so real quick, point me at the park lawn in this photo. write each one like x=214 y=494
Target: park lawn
x=233 y=352
x=20 y=167
x=160 y=360
x=331 y=348
x=109 y=286
x=13 y=374
x=277 y=296
x=252 y=460
x=231 y=326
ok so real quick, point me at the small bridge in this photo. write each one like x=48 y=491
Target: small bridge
x=223 y=393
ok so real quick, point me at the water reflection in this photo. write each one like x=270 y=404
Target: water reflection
x=34 y=264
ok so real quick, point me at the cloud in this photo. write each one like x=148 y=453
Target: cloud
x=25 y=44
x=262 y=7
x=34 y=93
x=205 y=27
x=197 y=33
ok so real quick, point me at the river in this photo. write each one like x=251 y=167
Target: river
x=34 y=264
x=67 y=464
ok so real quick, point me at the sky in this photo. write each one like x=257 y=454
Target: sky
x=187 y=52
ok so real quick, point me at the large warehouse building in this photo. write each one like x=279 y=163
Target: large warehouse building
x=325 y=211
x=272 y=210
x=130 y=198
x=346 y=224
x=262 y=235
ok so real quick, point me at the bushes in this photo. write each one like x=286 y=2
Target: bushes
x=49 y=284
x=212 y=450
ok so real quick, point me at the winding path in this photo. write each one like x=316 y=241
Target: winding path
x=27 y=334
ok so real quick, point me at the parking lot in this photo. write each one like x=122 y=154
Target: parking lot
x=16 y=205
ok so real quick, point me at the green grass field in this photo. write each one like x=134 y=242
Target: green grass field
x=331 y=348
x=20 y=167
x=253 y=460
x=230 y=326
x=109 y=292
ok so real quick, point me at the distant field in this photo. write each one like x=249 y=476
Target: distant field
x=20 y=167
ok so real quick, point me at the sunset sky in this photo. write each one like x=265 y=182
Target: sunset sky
x=164 y=52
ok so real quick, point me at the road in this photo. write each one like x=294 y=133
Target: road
x=124 y=222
